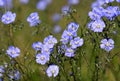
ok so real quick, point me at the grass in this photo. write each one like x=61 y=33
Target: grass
x=24 y=36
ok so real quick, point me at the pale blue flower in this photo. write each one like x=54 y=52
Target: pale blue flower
x=56 y=17
x=96 y=26
x=96 y=13
x=24 y=1
x=66 y=10
x=69 y=52
x=37 y=46
x=73 y=26
x=69 y=34
x=7 y=4
x=14 y=75
x=118 y=0
x=107 y=44
x=94 y=16
x=2 y=70
x=1 y=3
x=76 y=42
x=46 y=49
x=1 y=79
x=62 y=48
x=109 y=1
x=73 y=2
x=8 y=17
x=50 y=41
x=111 y=12
x=42 y=58
x=48 y=1
x=52 y=71
x=13 y=52
x=57 y=29
x=33 y=19
x=41 y=5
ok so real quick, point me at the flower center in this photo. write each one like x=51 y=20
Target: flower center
x=13 y=52
x=42 y=58
x=46 y=49
x=7 y=18
x=50 y=42
x=70 y=34
x=37 y=46
x=53 y=71
x=98 y=26
x=76 y=42
x=70 y=50
x=73 y=28
x=107 y=44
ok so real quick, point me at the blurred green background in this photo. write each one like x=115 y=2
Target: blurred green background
x=24 y=36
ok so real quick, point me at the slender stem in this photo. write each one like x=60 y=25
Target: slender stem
x=72 y=68
x=11 y=34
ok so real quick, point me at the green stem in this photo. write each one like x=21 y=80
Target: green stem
x=11 y=34
x=72 y=68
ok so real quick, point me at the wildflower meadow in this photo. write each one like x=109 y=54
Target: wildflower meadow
x=59 y=40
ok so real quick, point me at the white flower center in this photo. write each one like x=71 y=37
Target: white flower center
x=50 y=42
x=7 y=18
x=70 y=50
x=76 y=42
x=13 y=52
x=70 y=34
x=98 y=26
x=107 y=44
x=42 y=58
x=53 y=71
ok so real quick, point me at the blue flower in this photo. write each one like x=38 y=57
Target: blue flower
x=69 y=52
x=76 y=42
x=37 y=46
x=57 y=29
x=1 y=3
x=48 y=1
x=13 y=52
x=7 y=4
x=14 y=74
x=41 y=5
x=62 y=48
x=96 y=13
x=24 y=1
x=56 y=17
x=101 y=2
x=2 y=70
x=33 y=19
x=8 y=17
x=73 y=2
x=93 y=15
x=109 y=1
x=66 y=10
x=67 y=36
x=111 y=12
x=50 y=41
x=52 y=70
x=46 y=49
x=17 y=75
x=116 y=10
x=107 y=44
x=95 y=4
x=73 y=26
x=1 y=79
x=96 y=26
x=118 y=0
x=42 y=58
